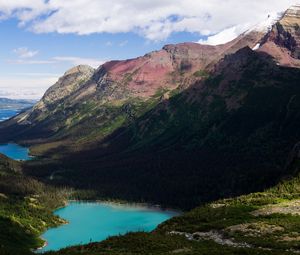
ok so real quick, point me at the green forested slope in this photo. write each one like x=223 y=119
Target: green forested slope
x=265 y=223
x=26 y=207
x=229 y=135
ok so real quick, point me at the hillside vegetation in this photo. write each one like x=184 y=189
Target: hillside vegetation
x=26 y=207
x=264 y=223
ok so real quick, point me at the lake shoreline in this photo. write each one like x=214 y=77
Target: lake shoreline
x=16 y=151
x=41 y=247
x=140 y=205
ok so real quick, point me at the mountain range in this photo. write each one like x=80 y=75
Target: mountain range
x=189 y=113
x=183 y=126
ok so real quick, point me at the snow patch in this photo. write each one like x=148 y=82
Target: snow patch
x=256 y=47
x=225 y=35
x=266 y=25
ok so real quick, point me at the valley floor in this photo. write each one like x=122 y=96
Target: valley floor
x=259 y=223
x=265 y=223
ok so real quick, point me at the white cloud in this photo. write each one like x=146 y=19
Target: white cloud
x=30 y=62
x=24 y=52
x=222 y=37
x=74 y=61
x=155 y=20
x=225 y=36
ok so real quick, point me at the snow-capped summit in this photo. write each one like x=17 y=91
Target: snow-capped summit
x=282 y=40
x=266 y=25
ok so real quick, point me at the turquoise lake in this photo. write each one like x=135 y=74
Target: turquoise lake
x=15 y=151
x=12 y=150
x=91 y=222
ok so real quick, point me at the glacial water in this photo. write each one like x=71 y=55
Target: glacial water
x=12 y=150
x=15 y=151
x=5 y=114
x=91 y=222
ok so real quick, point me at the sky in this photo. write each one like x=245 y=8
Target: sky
x=41 y=39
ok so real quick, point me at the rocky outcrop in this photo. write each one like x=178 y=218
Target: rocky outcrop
x=288 y=31
x=69 y=83
x=168 y=68
x=283 y=40
x=56 y=95
x=215 y=236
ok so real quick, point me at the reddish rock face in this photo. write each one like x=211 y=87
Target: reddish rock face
x=151 y=71
x=281 y=54
x=166 y=68
x=174 y=65
x=169 y=68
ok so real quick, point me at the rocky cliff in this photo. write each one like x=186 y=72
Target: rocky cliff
x=283 y=40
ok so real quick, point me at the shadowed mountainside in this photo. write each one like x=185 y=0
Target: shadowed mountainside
x=218 y=120
x=189 y=113
x=227 y=135
x=265 y=223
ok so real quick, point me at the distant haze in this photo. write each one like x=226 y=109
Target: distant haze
x=25 y=88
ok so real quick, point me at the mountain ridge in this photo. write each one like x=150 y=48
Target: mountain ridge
x=196 y=138
x=174 y=67
x=126 y=113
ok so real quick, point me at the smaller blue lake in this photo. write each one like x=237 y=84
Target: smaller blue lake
x=8 y=113
x=15 y=151
x=12 y=150
x=91 y=222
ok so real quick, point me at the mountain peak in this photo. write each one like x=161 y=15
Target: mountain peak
x=79 y=69
x=281 y=39
x=71 y=81
x=291 y=17
x=293 y=9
